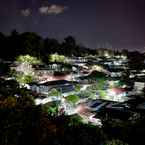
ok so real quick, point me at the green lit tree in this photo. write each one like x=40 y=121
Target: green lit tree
x=27 y=59
x=77 y=88
x=88 y=93
x=57 y=58
x=73 y=99
x=25 y=73
x=24 y=79
x=54 y=92
x=52 y=109
x=98 y=88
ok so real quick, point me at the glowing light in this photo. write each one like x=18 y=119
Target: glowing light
x=117 y=94
x=96 y=121
x=57 y=58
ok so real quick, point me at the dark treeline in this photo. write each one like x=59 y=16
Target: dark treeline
x=33 y=44
x=24 y=123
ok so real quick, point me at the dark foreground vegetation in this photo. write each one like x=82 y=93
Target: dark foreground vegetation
x=24 y=123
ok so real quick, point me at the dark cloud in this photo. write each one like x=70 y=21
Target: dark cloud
x=26 y=12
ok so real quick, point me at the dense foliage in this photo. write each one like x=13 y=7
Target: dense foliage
x=24 y=123
x=30 y=43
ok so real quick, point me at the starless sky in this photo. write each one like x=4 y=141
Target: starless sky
x=94 y=23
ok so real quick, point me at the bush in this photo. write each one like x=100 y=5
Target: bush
x=115 y=142
x=72 y=99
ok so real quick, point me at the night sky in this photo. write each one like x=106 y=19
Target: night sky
x=94 y=23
